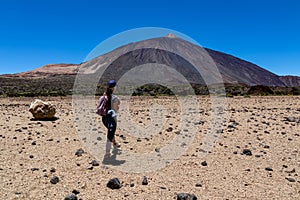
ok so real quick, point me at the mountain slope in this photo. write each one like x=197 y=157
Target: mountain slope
x=232 y=69
x=290 y=80
x=235 y=70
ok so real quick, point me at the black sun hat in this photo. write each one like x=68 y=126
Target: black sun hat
x=111 y=83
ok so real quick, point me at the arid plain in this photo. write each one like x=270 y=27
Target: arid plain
x=256 y=156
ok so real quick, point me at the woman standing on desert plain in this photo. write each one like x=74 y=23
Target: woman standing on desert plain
x=108 y=106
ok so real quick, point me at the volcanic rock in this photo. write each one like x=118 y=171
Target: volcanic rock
x=204 y=163
x=145 y=181
x=291 y=179
x=54 y=180
x=79 y=152
x=247 y=152
x=114 y=184
x=71 y=196
x=42 y=110
x=186 y=196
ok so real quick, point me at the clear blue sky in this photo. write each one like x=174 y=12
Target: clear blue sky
x=35 y=32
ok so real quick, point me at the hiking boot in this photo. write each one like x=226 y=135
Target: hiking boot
x=116 y=145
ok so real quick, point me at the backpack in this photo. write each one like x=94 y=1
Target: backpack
x=102 y=106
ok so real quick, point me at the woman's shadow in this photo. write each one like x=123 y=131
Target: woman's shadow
x=112 y=159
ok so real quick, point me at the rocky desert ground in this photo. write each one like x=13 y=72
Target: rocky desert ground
x=256 y=156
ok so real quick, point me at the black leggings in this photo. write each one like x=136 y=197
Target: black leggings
x=111 y=126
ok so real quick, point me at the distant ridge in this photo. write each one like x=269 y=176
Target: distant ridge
x=48 y=70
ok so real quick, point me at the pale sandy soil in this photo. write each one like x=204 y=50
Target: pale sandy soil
x=256 y=123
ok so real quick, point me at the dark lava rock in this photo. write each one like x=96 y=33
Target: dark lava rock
x=230 y=126
x=52 y=170
x=170 y=129
x=94 y=163
x=204 y=163
x=292 y=171
x=291 y=119
x=79 y=152
x=186 y=196
x=247 y=152
x=291 y=180
x=75 y=192
x=71 y=196
x=114 y=183
x=269 y=169
x=145 y=181
x=54 y=180
x=131 y=184
x=198 y=185
x=35 y=169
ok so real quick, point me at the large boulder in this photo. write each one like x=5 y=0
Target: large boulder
x=42 y=110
